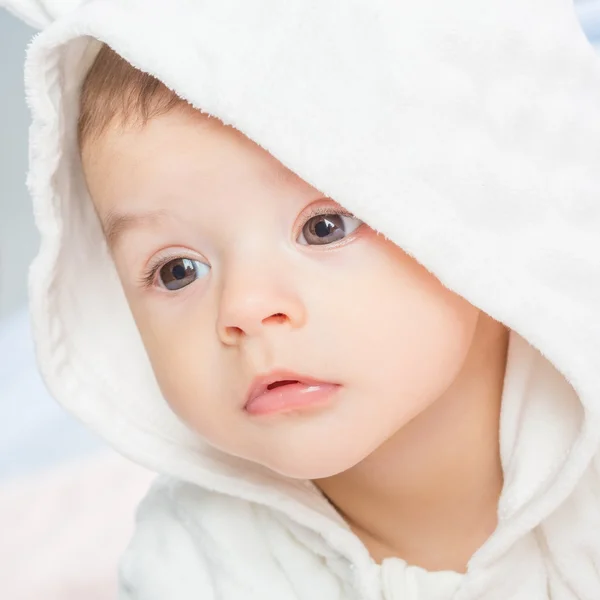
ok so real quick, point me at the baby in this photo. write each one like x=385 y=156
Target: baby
x=343 y=301
x=286 y=331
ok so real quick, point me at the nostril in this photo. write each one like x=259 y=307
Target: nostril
x=280 y=383
x=279 y=317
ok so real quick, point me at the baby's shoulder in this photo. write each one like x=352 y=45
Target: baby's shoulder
x=191 y=542
x=208 y=519
x=192 y=506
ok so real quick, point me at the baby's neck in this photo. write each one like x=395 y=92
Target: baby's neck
x=429 y=495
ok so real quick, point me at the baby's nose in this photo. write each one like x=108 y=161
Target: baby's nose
x=250 y=304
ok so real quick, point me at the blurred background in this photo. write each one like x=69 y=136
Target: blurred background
x=66 y=501
x=34 y=432
x=18 y=239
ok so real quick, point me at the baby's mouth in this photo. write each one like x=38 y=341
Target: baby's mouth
x=270 y=394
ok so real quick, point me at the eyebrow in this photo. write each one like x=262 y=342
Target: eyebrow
x=115 y=224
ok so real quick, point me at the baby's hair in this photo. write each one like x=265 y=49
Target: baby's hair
x=116 y=93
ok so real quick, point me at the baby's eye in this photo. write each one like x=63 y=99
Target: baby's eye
x=180 y=272
x=327 y=228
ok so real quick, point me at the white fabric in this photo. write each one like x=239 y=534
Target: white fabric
x=467 y=132
x=193 y=536
x=40 y=13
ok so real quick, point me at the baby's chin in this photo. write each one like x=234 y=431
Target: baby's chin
x=309 y=470
x=318 y=461
x=320 y=446
x=315 y=445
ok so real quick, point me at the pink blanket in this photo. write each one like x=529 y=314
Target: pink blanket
x=62 y=531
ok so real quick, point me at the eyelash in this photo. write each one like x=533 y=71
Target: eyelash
x=149 y=275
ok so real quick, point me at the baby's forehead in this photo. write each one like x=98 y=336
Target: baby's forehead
x=118 y=99
x=182 y=160
x=118 y=102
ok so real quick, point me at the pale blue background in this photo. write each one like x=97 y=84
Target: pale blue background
x=34 y=431
x=18 y=238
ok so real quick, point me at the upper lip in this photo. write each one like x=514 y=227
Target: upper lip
x=260 y=383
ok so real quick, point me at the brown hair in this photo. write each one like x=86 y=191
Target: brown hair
x=115 y=91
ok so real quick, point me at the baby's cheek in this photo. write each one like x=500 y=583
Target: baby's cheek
x=416 y=334
x=180 y=362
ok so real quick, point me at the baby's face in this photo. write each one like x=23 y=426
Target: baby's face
x=229 y=276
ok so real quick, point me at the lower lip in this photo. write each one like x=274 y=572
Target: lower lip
x=291 y=397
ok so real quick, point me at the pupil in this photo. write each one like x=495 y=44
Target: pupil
x=179 y=271
x=323 y=228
